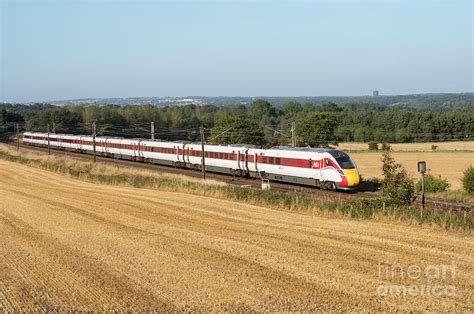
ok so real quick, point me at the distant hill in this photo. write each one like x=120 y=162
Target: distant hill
x=415 y=101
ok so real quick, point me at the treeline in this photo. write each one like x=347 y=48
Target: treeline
x=259 y=123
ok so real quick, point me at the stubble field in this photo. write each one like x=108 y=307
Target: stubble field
x=421 y=147
x=449 y=165
x=71 y=245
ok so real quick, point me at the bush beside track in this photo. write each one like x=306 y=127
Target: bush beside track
x=361 y=209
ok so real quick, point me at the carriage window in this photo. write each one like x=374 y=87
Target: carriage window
x=277 y=161
x=271 y=160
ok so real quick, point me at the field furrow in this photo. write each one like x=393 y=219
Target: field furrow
x=72 y=245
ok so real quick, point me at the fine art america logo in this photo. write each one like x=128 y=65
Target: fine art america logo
x=432 y=280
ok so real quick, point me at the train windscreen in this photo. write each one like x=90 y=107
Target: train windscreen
x=342 y=159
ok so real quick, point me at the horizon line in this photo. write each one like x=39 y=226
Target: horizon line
x=235 y=96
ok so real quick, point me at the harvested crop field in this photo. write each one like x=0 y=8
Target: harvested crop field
x=71 y=245
x=449 y=165
x=422 y=147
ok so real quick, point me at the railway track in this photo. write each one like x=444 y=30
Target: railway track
x=323 y=195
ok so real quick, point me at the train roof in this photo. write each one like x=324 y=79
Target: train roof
x=304 y=149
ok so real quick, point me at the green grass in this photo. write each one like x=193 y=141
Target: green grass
x=357 y=209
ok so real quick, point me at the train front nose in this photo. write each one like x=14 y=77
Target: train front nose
x=352 y=177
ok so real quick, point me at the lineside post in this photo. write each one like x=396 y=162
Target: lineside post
x=152 y=131
x=17 y=136
x=422 y=192
x=93 y=140
x=293 y=134
x=54 y=128
x=203 y=160
x=49 y=146
x=422 y=171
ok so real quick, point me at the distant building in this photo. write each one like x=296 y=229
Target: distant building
x=375 y=93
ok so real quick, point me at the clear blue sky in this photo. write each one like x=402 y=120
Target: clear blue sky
x=62 y=50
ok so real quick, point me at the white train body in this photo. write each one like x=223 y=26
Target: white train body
x=307 y=166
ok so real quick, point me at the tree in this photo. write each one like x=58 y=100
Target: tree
x=362 y=134
x=330 y=107
x=236 y=130
x=402 y=136
x=262 y=113
x=468 y=180
x=433 y=184
x=343 y=133
x=291 y=109
x=62 y=118
x=396 y=185
x=373 y=146
x=317 y=129
x=260 y=108
x=3 y=117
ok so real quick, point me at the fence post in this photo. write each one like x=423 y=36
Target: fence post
x=49 y=146
x=203 y=160
x=93 y=140
x=17 y=136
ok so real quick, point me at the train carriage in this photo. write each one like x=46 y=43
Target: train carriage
x=125 y=148
x=86 y=144
x=164 y=153
x=327 y=168
x=69 y=142
x=222 y=159
x=36 y=139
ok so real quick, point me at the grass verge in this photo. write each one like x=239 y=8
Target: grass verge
x=363 y=209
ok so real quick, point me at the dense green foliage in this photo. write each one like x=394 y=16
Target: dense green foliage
x=396 y=184
x=433 y=184
x=468 y=180
x=235 y=129
x=316 y=125
x=317 y=128
x=373 y=146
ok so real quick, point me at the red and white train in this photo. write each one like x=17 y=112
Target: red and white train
x=325 y=168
